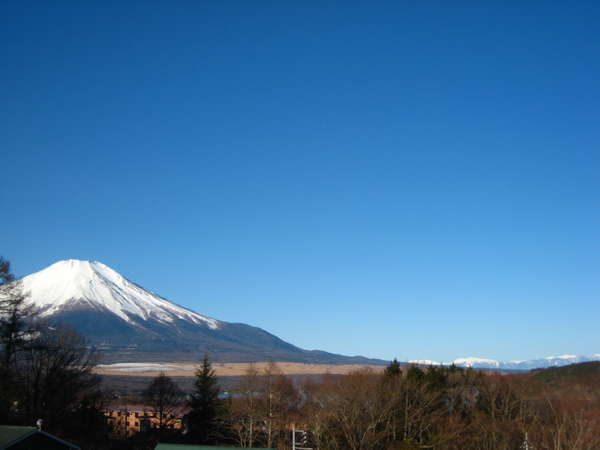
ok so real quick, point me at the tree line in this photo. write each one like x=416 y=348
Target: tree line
x=416 y=408
x=399 y=408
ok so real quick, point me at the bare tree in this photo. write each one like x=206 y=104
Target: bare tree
x=280 y=400
x=352 y=407
x=165 y=398
x=56 y=375
x=247 y=408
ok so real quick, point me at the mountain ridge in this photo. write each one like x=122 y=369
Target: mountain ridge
x=129 y=323
x=487 y=363
x=65 y=283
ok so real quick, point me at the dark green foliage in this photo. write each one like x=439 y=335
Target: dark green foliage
x=393 y=370
x=5 y=274
x=436 y=378
x=16 y=316
x=15 y=319
x=414 y=374
x=584 y=373
x=205 y=421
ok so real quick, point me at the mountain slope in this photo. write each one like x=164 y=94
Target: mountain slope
x=587 y=373
x=75 y=284
x=131 y=324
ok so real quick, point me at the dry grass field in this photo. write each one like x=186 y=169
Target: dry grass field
x=227 y=369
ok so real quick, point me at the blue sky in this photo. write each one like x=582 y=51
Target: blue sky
x=391 y=179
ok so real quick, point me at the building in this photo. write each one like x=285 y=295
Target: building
x=30 y=438
x=127 y=420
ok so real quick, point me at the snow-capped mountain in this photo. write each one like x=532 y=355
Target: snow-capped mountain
x=485 y=363
x=132 y=324
x=476 y=362
x=75 y=284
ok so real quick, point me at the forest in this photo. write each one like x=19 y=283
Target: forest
x=414 y=407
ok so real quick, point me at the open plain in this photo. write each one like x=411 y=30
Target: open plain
x=228 y=369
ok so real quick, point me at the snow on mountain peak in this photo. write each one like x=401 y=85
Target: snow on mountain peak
x=71 y=282
x=485 y=363
x=425 y=362
x=476 y=362
x=561 y=357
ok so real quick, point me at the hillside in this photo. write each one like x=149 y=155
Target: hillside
x=587 y=373
x=129 y=323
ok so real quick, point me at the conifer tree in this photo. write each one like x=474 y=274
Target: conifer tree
x=16 y=316
x=393 y=369
x=205 y=421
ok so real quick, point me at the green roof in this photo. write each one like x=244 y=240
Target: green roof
x=9 y=434
x=199 y=447
x=25 y=438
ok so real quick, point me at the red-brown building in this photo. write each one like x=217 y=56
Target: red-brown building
x=127 y=420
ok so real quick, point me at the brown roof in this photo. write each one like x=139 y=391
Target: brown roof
x=179 y=410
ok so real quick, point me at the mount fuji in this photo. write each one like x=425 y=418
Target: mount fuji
x=129 y=323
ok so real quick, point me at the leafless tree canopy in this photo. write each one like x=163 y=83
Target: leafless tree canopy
x=45 y=371
x=165 y=398
x=415 y=408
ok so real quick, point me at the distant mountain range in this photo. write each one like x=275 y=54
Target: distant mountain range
x=129 y=323
x=484 y=363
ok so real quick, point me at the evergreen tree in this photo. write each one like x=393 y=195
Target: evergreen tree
x=393 y=370
x=205 y=421
x=415 y=374
x=16 y=316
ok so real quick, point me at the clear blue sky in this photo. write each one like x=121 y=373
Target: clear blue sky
x=393 y=179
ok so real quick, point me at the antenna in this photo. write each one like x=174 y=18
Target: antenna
x=302 y=441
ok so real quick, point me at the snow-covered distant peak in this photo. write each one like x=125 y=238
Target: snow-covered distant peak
x=486 y=363
x=425 y=362
x=73 y=282
x=561 y=357
x=476 y=362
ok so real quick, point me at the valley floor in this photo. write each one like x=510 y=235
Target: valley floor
x=227 y=369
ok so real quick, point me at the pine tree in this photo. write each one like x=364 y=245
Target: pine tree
x=205 y=421
x=16 y=316
x=393 y=369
